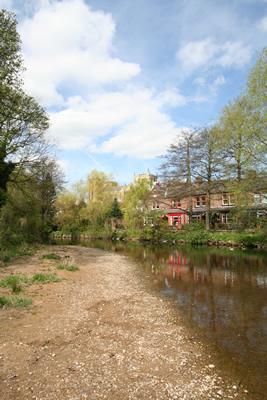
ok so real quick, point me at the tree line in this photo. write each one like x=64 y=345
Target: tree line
x=233 y=150
x=33 y=201
x=29 y=176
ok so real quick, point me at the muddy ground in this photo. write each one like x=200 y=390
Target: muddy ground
x=102 y=333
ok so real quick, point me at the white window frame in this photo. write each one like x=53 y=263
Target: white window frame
x=228 y=199
x=201 y=201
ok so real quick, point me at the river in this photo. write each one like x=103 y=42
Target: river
x=222 y=294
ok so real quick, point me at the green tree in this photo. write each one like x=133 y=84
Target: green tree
x=70 y=212
x=236 y=141
x=100 y=188
x=115 y=211
x=257 y=97
x=22 y=121
x=28 y=213
x=207 y=163
x=136 y=203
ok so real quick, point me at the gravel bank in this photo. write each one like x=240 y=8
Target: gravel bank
x=102 y=334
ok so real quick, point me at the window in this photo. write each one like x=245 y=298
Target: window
x=264 y=198
x=200 y=201
x=225 y=200
x=176 y=203
x=257 y=199
x=224 y=218
x=260 y=198
x=228 y=199
x=177 y=220
x=231 y=199
x=155 y=205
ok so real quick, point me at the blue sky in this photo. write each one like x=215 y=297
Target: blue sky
x=120 y=79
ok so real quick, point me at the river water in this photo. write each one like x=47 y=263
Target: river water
x=222 y=295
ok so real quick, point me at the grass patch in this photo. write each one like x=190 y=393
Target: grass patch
x=13 y=282
x=67 y=267
x=14 y=301
x=6 y=255
x=44 y=278
x=50 y=256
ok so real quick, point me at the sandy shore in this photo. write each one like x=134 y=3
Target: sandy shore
x=101 y=334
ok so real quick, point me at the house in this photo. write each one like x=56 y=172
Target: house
x=175 y=202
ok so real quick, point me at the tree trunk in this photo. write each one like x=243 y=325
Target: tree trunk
x=189 y=180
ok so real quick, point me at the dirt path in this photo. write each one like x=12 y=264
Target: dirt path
x=101 y=334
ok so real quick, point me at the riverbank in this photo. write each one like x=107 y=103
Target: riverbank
x=191 y=235
x=101 y=333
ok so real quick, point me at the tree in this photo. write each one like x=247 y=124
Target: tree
x=178 y=168
x=114 y=214
x=22 y=121
x=28 y=213
x=207 y=163
x=257 y=97
x=136 y=203
x=70 y=212
x=236 y=141
x=115 y=211
x=47 y=183
x=100 y=188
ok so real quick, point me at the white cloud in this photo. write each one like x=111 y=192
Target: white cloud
x=207 y=88
x=6 y=4
x=65 y=44
x=131 y=122
x=207 y=53
x=63 y=165
x=219 y=81
x=197 y=54
x=70 y=57
x=233 y=54
x=263 y=23
x=172 y=98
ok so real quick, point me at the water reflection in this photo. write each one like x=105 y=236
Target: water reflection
x=224 y=295
x=221 y=293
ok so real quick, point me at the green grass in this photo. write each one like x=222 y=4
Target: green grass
x=13 y=282
x=14 y=301
x=6 y=255
x=196 y=234
x=45 y=278
x=68 y=267
x=50 y=256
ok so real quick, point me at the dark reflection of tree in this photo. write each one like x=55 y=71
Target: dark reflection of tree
x=211 y=294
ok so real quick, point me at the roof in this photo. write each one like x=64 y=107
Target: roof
x=176 y=189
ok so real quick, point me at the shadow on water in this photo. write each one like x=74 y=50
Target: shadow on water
x=222 y=295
